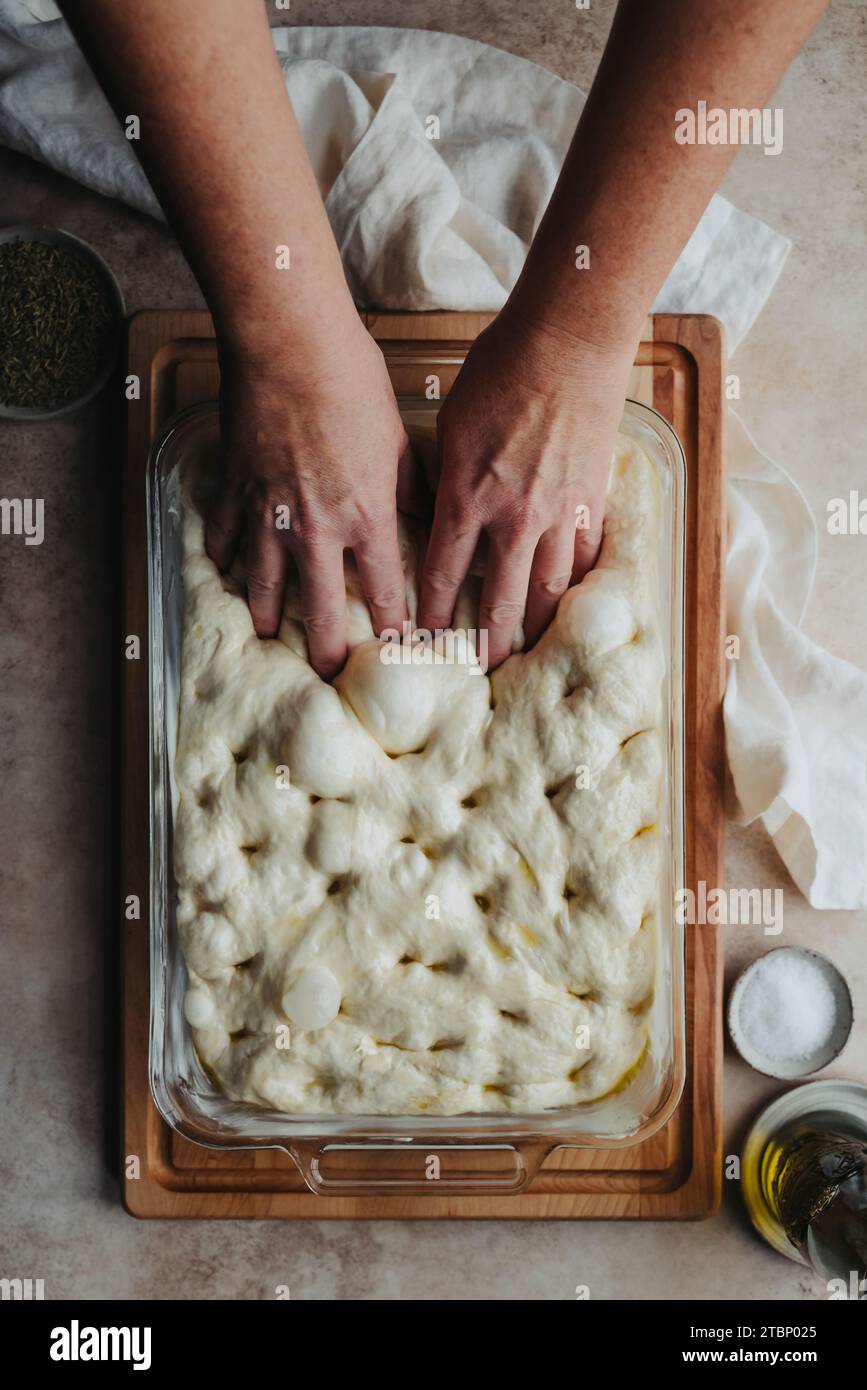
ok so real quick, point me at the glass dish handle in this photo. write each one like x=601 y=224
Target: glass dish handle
x=416 y=1169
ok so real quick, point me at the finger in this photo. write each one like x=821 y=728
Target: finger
x=381 y=573
x=224 y=527
x=266 y=574
x=323 y=605
x=450 y=553
x=588 y=537
x=550 y=577
x=414 y=497
x=504 y=591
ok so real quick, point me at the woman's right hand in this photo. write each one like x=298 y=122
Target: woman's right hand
x=325 y=441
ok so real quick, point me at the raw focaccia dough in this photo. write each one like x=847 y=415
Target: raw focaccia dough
x=490 y=925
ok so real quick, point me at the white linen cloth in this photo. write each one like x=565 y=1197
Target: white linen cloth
x=436 y=157
x=795 y=716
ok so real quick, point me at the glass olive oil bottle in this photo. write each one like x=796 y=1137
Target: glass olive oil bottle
x=804 y=1180
x=816 y=1184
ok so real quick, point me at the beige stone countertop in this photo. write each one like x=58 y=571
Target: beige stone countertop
x=803 y=396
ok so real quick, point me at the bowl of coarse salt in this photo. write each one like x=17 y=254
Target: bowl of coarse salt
x=790 y=1013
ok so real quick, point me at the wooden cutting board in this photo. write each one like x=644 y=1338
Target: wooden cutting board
x=676 y=1173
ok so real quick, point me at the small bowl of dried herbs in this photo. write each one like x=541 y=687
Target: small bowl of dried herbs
x=61 y=319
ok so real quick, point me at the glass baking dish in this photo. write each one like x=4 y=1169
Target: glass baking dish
x=352 y=1155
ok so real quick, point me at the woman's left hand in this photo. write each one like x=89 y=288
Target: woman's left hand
x=526 y=436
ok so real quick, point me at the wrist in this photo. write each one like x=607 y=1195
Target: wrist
x=300 y=346
x=561 y=349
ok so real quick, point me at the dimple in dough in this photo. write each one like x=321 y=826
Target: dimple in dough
x=410 y=860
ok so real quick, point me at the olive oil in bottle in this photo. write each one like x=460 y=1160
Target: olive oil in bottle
x=817 y=1183
x=804 y=1180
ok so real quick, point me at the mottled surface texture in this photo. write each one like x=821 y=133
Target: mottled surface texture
x=802 y=394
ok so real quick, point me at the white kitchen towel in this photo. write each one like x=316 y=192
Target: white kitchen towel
x=436 y=156
x=795 y=716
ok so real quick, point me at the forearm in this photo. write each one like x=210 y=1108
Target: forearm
x=222 y=149
x=628 y=191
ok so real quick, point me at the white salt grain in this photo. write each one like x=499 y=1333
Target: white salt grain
x=788 y=1008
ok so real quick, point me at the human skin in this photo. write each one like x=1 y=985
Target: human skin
x=527 y=432
x=309 y=418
